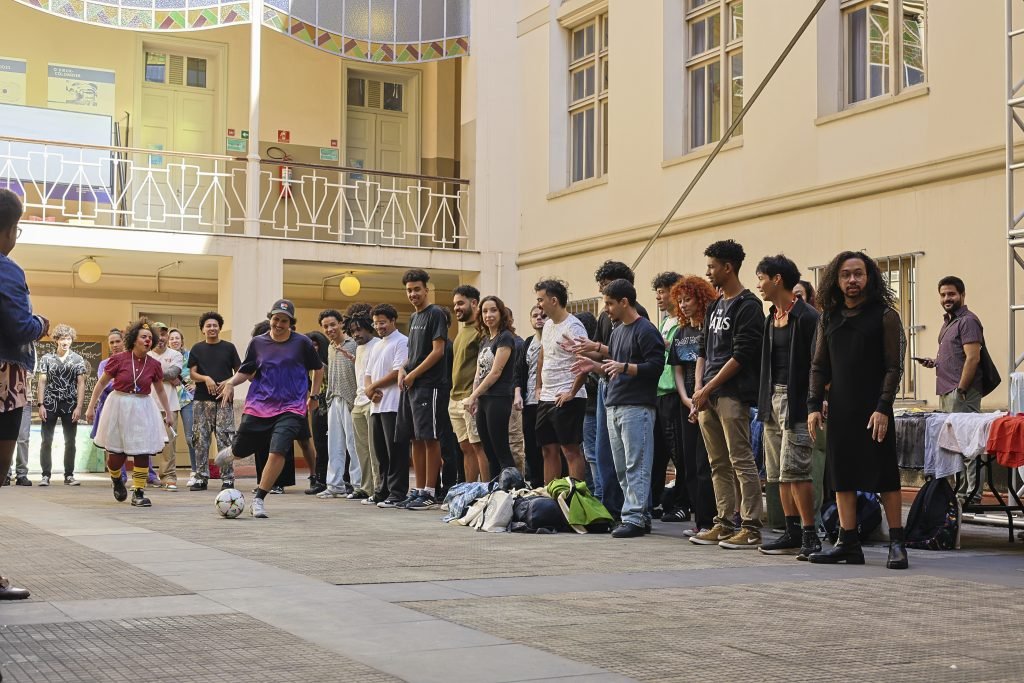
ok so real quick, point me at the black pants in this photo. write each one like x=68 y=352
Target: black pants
x=492 y=416
x=452 y=470
x=287 y=476
x=70 y=428
x=668 y=446
x=318 y=427
x=697 y=475
x=392 y=457
x=534 y=458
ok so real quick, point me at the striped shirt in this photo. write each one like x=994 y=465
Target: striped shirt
x=341 y=373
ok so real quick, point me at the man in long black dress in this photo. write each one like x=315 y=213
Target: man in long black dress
x=859 y=355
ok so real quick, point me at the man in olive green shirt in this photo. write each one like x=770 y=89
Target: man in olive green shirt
x=466 y=302
x=668 y=428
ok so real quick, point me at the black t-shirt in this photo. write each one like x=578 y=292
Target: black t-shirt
x=505 y=386
x=782 y=337
x=641 y=344
x=424 y=327
x=217 y=361
x=685 y=347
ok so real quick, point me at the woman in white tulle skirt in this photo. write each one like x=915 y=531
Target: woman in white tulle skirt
x=130 y=424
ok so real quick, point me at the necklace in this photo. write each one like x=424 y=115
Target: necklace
x=136 y=375
x=779 y=315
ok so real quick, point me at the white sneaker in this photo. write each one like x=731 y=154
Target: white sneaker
x=224 y=458
x=44 y=481
x=257 y=509
x=330 y=494
x=191 y=479
x=367 y=501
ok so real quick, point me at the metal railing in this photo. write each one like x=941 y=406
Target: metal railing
x=153 y=189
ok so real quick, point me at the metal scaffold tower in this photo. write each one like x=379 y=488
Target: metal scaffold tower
x=1014 y=166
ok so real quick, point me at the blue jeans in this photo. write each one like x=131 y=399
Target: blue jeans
x=186 y=423
x=590 y=452
x=631 y=431
x=611 y=492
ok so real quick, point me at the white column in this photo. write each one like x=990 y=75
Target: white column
x=252 y=167
x=248 y=283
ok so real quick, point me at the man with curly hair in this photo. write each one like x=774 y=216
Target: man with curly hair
x=359 y=326
x=728 y=375
x=61 y=392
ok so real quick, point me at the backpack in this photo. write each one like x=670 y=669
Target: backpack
x=869 y=516
x=934 y=519
x=538 y=514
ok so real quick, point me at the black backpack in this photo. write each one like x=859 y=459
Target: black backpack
x=934 y=519
x=538 y=514
x=869 y=516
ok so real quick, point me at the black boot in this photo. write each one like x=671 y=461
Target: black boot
x=120 y=492
x=315 y=487
x=809 y=544
x=9 y=592
x=897 y=549
x=847 y=549
x=786 y=544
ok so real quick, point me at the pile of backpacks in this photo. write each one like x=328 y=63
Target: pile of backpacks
x=506 y=504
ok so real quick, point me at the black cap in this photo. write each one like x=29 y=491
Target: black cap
x=283 y=306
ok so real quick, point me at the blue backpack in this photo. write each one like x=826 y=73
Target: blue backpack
x=869 y=516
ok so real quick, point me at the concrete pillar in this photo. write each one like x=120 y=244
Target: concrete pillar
x=248 y=283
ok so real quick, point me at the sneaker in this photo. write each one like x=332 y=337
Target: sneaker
x=315 y=487
x=191 y=480
x=358 y=495
x=229 y=484
x=410 y=497
x=170 y=486
x=368 y=501
x=783 y=545
x=139 y=499
x=198 y=484
x=277 y=490
x=328 y=494
x=690 y=533
x=627 y=530
x=23 y=481
x=44 y=481
x=677 y=515
x=809 y=544
x=120 y=491
x=389 y=502
x=423 y=502
x=257 y=509
x=744 y=538
x=714 y=535
x=224 y=458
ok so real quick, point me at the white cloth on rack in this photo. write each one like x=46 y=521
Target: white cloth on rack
x=938 y=461
x=1016 y=392
x=967 y=433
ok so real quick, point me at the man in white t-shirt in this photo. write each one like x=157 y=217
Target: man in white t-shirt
x=381 y=385
x=360 y=327
x=173 y=364
x=562 y=398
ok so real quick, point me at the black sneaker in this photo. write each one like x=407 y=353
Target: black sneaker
x=200 y=484
x=358 y=495
x=229 y=484
x=677 y=515
x=627 y=530
x=139 y=499
x=23 y=481
x=423 y=502
x=410 y=497
x=315 y=487
x=120 y=492
x=809 y=544
x=278 y=490
x=785 y=544
x=71 y=481
x=389 y=502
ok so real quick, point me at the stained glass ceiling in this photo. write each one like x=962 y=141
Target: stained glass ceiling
x=384 y=31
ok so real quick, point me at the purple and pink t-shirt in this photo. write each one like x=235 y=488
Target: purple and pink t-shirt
x=280 y=370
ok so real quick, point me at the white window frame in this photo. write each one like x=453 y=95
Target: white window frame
x=729 y=47
x=595 y=135
x=896 y=69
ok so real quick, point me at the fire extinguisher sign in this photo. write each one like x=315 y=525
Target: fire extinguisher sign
x=284 y=136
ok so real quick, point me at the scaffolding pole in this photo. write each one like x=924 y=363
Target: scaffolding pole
x=1014 y=214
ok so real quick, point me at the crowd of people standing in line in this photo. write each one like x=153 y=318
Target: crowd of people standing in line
x=610 y=400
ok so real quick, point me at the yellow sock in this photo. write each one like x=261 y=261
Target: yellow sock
x=139 y=475
x=114 y=474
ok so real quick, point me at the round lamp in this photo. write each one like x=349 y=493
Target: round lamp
x=90 y=272
x=349 y=285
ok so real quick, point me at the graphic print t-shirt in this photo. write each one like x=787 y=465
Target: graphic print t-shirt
x=281 y=380
x=556 y=370
x=61 y=393
x=505 y=386
x=684 y=351
x=424 y=327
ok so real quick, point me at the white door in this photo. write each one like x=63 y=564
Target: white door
x=178 y=115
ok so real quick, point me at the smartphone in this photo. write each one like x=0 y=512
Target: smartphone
x=919 y=359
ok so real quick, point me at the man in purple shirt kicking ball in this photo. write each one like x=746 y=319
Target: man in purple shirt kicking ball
x=278 y=364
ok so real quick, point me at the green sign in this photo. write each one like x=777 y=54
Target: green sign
x=156 y=159
x=237 y=145
x=245 y=135
x=329 y=154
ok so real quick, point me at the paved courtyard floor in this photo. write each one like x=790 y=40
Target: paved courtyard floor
x=338 y=591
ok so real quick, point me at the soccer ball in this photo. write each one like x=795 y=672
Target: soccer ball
x=230 y=503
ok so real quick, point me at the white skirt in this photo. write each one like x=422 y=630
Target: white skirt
x=131 y=424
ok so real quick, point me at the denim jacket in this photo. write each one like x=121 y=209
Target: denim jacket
x=19 y=328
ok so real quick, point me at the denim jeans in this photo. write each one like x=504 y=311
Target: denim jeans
x=631 y=432
x=611 y=492
x=590 y=452
x=187 y=427
x=341 y=439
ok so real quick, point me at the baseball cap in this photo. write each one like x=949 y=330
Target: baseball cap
x=158 y=325
x=283 y=306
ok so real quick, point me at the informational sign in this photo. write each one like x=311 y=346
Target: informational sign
x=237 y=145
x=284 y=136
x=329 y=154
x=245 y=135
x=79 y=88
x=334 y=143
x=156 y=159
x=12 y=80
x=231 y=132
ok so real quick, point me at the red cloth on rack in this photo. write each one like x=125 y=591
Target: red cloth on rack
x=1006 y=440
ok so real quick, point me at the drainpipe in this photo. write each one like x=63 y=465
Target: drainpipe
x=252 y=166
